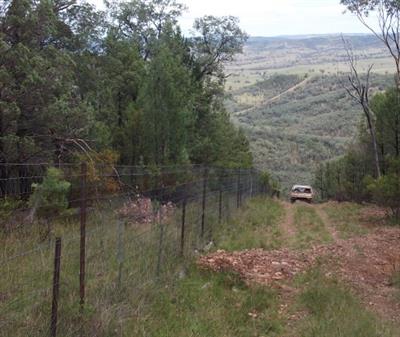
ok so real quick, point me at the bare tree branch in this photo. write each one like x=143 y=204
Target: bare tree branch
x=358 y=88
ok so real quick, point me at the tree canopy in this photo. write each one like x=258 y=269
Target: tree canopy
x=76 y=81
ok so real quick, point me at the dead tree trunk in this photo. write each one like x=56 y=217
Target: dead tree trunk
x=358 y=88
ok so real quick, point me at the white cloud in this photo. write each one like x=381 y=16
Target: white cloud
x=276 y=17
x=283 y=17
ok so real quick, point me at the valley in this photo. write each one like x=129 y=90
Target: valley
x=288 y=95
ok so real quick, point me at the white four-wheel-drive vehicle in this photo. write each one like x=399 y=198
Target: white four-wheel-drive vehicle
x=301 y=192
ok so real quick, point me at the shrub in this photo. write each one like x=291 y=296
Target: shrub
x=270 y=184
x=50 y=197
x=386 y=190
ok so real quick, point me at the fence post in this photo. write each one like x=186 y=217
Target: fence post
x=120 y=250
x=130 y=176
x=183 y=227
x=203 y=206
x=160 y=243
x=238 y=190
x=251 y=184
x=56 y=288
x=220 y=204
x=83 y=235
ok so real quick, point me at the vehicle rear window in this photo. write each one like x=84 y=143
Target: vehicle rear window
x=302 y=190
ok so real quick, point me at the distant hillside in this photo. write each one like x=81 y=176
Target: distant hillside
x=288 y=97
x=264 y=56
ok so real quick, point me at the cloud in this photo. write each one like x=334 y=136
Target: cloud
x=275 y=17
x=283 y=17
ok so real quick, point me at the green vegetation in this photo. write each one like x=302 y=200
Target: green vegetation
x=213 y=305
x=256 y=225
x=385 y=190
x=127 y=272
x=334 y=311
x=181 y=300
x=299 y=55
x=287 y=93
x=395 y=281
x=50 y=196
x=77 y=82
x=369 y=170
x=291 y=134
x=354 y=176
x=310 y=228
x=346 y=219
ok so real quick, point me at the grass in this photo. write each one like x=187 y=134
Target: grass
x=333 y=311
x=112 y=297
x=212 y=305
x=255 y=226
x=182 y=301
x=395 y=283
x=346 y=219
x=395 y=280
x=310 y=228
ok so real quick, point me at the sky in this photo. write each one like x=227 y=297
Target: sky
x=276 y=17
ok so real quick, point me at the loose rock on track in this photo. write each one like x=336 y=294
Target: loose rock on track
x=365 y=263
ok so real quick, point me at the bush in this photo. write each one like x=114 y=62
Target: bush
x=386 y=190
x=51 y=196
x=270 y=184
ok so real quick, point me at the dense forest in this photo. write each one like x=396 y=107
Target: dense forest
x=122 y=85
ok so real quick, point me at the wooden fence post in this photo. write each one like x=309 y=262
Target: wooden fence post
x=83 y=235
x=251 y=184
x=238 y=190
x=161 y=241
x=204 y=200
x=120 y=250
x=183 y=227
x=220 y=205
x=56 y=288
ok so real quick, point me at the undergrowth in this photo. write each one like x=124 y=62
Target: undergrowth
x=346 y=219
x=211 y=305
x=333 y=311
x=256 y=225
x=310 y=228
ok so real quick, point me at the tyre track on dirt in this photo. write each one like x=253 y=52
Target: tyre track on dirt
x=327 y=223
x=287 y=225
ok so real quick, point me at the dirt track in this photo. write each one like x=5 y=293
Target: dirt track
x=287 y=225
x=275 y=98
x=366 y=263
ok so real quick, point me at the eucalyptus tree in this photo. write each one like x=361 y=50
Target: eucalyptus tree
x=143 y=21
x=217 y=41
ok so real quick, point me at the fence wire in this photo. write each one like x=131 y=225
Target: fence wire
x=139 y=227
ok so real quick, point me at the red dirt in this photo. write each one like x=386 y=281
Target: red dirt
x=373 y=216
x=365 y=263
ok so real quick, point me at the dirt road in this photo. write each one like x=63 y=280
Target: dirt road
x=275 y=98
x=365 y=262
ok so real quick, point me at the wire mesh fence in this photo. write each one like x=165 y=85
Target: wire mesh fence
x=126 y=230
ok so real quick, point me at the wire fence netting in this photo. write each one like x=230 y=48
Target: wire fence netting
x=126 y=229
